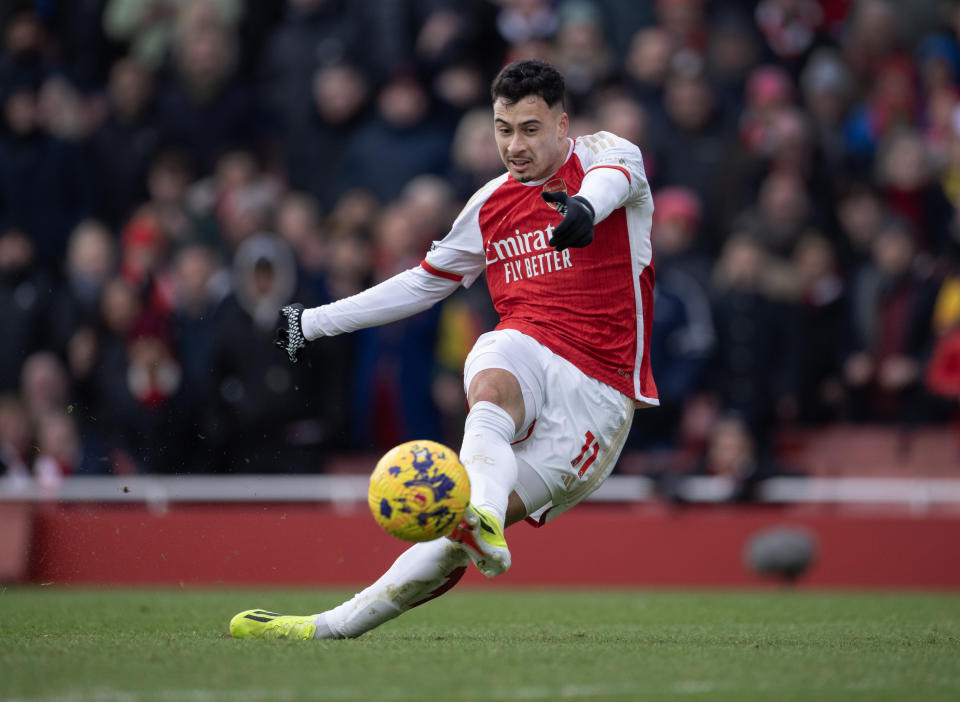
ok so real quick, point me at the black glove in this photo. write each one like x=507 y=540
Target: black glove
x=576 y=229
x=290 y=336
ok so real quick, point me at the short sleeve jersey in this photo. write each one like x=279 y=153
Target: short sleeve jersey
x=593 y=305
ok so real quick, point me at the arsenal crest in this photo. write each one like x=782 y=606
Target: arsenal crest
x=552 y=186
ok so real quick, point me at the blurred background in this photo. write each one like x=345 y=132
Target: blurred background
x=173 y=171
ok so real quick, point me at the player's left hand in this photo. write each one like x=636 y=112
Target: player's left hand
x=576 y=229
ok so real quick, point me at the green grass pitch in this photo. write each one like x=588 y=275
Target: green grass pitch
x=73 y=645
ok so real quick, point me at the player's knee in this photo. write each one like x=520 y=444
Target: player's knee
x=499 y=387
x=490 y=386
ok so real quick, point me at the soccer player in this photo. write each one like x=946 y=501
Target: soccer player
x=564 y=239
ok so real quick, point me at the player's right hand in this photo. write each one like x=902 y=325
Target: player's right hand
x=576 y=229
x=290 y=338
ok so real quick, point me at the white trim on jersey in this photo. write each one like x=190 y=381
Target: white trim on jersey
x=641 y=251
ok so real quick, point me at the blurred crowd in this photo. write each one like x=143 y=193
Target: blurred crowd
x=174 y=171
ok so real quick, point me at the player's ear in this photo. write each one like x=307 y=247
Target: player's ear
x=564 y=125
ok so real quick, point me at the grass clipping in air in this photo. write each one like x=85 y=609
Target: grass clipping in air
x=66 y=645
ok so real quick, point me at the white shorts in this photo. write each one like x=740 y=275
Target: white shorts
x=574 y=426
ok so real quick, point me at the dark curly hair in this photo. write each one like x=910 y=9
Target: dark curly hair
x=518 y=79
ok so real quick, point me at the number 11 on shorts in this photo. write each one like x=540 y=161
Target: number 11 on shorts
x=587 y=455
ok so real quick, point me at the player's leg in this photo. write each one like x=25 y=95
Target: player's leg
x=496 y=410
x=504 y=394
x=496 y=414
x=421 y=573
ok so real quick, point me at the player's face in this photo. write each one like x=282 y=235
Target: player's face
x=531 y=137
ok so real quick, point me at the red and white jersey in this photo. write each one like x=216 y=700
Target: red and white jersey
x=592 y=306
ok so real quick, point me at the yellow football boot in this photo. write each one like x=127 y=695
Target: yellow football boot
x=260 y=624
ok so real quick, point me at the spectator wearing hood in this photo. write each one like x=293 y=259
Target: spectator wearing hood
x=266 y=415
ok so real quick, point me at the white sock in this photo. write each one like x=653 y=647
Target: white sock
x=488 y=457
x=422 y=572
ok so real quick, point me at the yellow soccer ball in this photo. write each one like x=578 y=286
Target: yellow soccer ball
x=419 y=491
